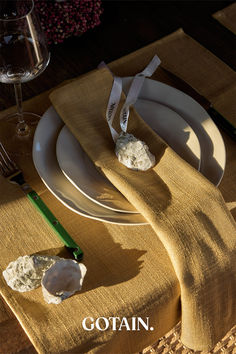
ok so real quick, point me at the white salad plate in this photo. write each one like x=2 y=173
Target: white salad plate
x=82 y=173
x=175 y=116
x=44 y=157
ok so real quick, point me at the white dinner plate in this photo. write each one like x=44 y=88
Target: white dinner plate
x=212 y=162
x=44 y=157
x=82 y=173
x=213 y=154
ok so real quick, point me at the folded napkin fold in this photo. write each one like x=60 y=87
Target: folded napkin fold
x=186 y=211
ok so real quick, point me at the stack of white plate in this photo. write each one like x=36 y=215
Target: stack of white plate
x=70 y=175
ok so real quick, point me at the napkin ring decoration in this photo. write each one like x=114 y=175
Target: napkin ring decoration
x=130 y=151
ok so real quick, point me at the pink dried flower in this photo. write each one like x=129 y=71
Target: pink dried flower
x=61 y=19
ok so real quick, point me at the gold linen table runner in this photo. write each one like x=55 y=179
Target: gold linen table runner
x=129 y=274
x=185 y=210
x=227 y=17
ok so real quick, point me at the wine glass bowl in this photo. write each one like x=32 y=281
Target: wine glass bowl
x=23 y=50
x=23 y=56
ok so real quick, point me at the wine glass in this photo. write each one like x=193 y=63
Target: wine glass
x=23 y=56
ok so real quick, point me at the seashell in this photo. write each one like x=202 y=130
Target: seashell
x=62 y=280
x=134 y=153
x=25 y=273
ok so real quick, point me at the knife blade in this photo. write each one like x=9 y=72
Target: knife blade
x=219 y=120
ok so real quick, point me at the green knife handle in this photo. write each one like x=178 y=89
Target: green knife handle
x=56 y=226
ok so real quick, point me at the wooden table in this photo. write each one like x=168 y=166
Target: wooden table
x=126 y=26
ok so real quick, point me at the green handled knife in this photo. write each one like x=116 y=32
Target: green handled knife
x=9 y=170
x=55 y=224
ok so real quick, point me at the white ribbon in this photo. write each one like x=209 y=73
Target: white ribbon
x=135 y=89
x=131 y=98
x=113 y=102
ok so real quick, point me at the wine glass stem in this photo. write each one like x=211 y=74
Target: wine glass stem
x=22 y=129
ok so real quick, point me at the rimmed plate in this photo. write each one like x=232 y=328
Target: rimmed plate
x=82 y=173
x=213 y=154
x=212 y=162
x=44 y=157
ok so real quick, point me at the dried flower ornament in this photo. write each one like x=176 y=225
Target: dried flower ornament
x=61 y=19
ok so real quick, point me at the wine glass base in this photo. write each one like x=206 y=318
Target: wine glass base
x=17 y=139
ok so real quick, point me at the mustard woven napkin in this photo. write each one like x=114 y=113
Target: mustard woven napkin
x=186 y=211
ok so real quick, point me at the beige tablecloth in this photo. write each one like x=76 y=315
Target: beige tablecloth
x=128 y=273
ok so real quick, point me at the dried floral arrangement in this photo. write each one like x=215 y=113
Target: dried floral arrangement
x=61 y=19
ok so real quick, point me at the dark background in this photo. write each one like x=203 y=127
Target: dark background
x=125 y=27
